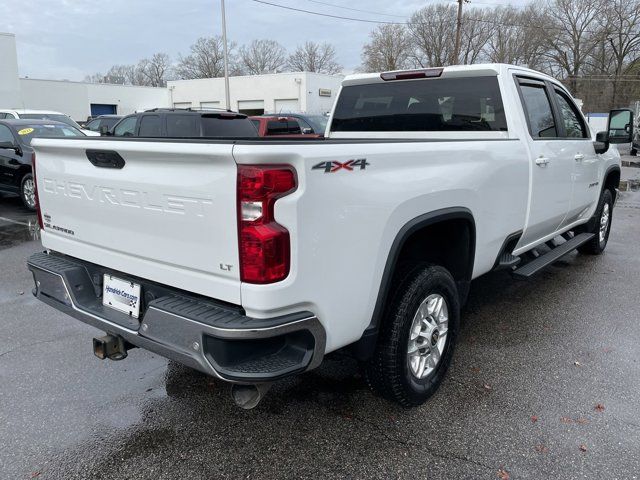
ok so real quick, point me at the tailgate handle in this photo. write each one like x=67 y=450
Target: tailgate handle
x=105 y=158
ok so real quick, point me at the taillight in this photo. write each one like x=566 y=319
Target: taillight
x=35 y=184
x=264 y=244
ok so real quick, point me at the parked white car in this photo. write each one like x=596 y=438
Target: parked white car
x=250 y=259
x=44 y=115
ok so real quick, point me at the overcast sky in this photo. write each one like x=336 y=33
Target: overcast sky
x=68 y=39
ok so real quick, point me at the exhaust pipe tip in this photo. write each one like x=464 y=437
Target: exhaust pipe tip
x=249 y=396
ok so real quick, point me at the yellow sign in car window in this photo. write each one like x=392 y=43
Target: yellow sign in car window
x=25 y=131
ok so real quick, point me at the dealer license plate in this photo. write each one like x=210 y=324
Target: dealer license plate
x=121 y=295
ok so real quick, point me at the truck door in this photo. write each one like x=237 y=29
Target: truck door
x=552 y=162
x=586 y=188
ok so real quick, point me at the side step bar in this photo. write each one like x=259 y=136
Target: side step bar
x=552 y=256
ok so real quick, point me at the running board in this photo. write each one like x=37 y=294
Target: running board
x=552 y=256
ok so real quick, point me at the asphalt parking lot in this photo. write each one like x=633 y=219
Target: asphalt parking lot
x=545 y=384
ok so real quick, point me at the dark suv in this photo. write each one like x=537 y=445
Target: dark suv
x=185 y=123
x=102 y=123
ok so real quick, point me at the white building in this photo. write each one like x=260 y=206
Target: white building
x=305 y=92
x=76 y=99
x=283 y=92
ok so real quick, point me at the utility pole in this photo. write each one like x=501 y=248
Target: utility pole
x=456 y=53
x=226 y=58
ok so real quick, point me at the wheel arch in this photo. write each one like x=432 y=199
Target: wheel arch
x=408 y=233
x=611 y=180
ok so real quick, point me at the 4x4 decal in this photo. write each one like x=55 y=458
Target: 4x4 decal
x=334 y=166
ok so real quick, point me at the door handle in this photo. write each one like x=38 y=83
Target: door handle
x=579 y=157
x=542 y=161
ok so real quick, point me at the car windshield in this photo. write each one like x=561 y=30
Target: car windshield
x=29 y=132
x=58 y=117
x=318 y=122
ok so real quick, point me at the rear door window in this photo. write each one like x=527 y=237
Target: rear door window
x=538 y=110
x=183 y=125
x=433 y=105
x=277 y=127
x=150 y=126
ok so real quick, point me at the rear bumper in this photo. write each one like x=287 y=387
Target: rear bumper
x=215 y=338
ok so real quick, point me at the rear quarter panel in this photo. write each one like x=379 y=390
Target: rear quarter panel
x=343 y=224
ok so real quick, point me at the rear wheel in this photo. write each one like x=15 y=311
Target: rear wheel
x=416 y=341
x=28 y=191
x=601 y=227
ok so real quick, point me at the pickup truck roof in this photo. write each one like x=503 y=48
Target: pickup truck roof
x=476 y=70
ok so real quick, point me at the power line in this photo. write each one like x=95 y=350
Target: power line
x=327 y=14
x=408 y=23
x=356 y=9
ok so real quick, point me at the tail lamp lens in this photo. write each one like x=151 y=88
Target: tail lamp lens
x=35 y=184
x=265 y=246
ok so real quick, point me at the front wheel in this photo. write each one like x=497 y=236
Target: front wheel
x=416 y=341
x=28 y=191
x=601 y=227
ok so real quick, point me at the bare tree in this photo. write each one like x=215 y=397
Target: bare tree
x=121 y=74
x=314 y=57
x=433 y=33
x=621 y=31
x=206 y=59
x=154 y=70
x=263 y=56
x=517 y=38
x=94 y=78
x=571 y=34
x=389 y=48
x=478 y=26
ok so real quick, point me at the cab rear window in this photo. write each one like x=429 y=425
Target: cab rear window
x=434 y=105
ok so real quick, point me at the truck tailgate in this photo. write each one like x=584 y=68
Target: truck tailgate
x=167 y=215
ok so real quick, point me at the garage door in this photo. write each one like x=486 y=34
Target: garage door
x=182 y=105
x=251 y=107
x=287 y=105
x=103 y=109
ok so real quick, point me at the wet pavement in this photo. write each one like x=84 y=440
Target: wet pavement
x=545 y=384
x=17 y=223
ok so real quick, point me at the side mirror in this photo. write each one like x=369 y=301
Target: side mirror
x=104 y=130
x=601 y=145
x=620 y=127
x=11 y=146
x=307 y=131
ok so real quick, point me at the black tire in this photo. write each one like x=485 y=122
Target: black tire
x=28 y=199
x=388 y=372
x=596 y=245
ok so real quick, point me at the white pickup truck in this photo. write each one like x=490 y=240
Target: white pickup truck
x=250 y=260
